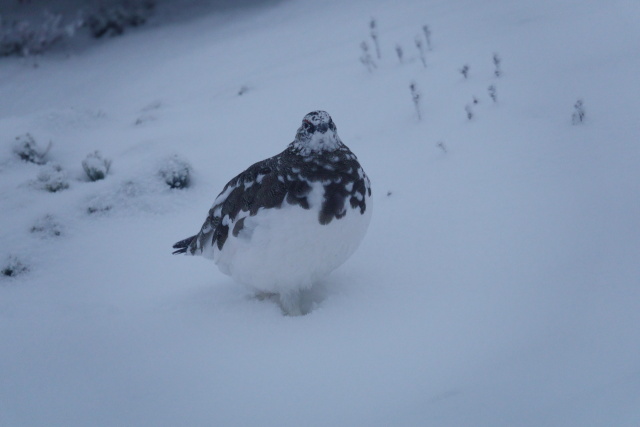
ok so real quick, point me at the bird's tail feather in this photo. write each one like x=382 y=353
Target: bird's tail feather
x=183 y=245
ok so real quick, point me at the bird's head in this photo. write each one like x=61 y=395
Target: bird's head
x=317 y=133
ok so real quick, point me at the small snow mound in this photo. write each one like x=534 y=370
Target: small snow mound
x=128 y=194
x=52 y=178
x=27 y=149
x=176 y=172
x=13 y=267
x=46 y=227
x=134 y=195
x=95 y=166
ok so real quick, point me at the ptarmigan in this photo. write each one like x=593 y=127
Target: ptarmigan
x=289 y=220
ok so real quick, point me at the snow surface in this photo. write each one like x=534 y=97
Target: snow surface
x=498 y=285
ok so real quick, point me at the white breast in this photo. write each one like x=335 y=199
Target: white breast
x=287 y=249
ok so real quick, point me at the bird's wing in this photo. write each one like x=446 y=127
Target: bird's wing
x=260 y=186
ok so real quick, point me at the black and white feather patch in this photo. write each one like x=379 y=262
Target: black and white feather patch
x=316 y=157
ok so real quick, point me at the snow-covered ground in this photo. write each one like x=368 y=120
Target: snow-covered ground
x=498 y=285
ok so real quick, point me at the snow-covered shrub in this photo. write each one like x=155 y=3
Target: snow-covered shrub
x=121 y=196
x=22 y=37
x=95 y=166
x=26 y=147
x=13 y=267
x=52 y=178
x=131 y=194
x=176 y=172
x=47 y=226
x=98 y=206
x=142 y=193
x=578 y=112
x=25 y=38
x=113 y=20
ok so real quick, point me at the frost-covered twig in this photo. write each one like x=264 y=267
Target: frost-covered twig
x=374 y=35
x=366 y=58
x=465 y=71
x=496 y=62
x=420 y=47
x=399 y=52
x=578 y=112
x=427 y=36
x=469 y=111
x=493 y=93
x=415 y=97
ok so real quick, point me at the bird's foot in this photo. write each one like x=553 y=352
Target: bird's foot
x=291 y=304
x=262 y=296
x=297 y=303
x=294 y=303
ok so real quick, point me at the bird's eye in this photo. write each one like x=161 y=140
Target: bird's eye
x=308 y=126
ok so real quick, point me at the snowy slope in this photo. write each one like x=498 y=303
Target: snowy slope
x=498 y=285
